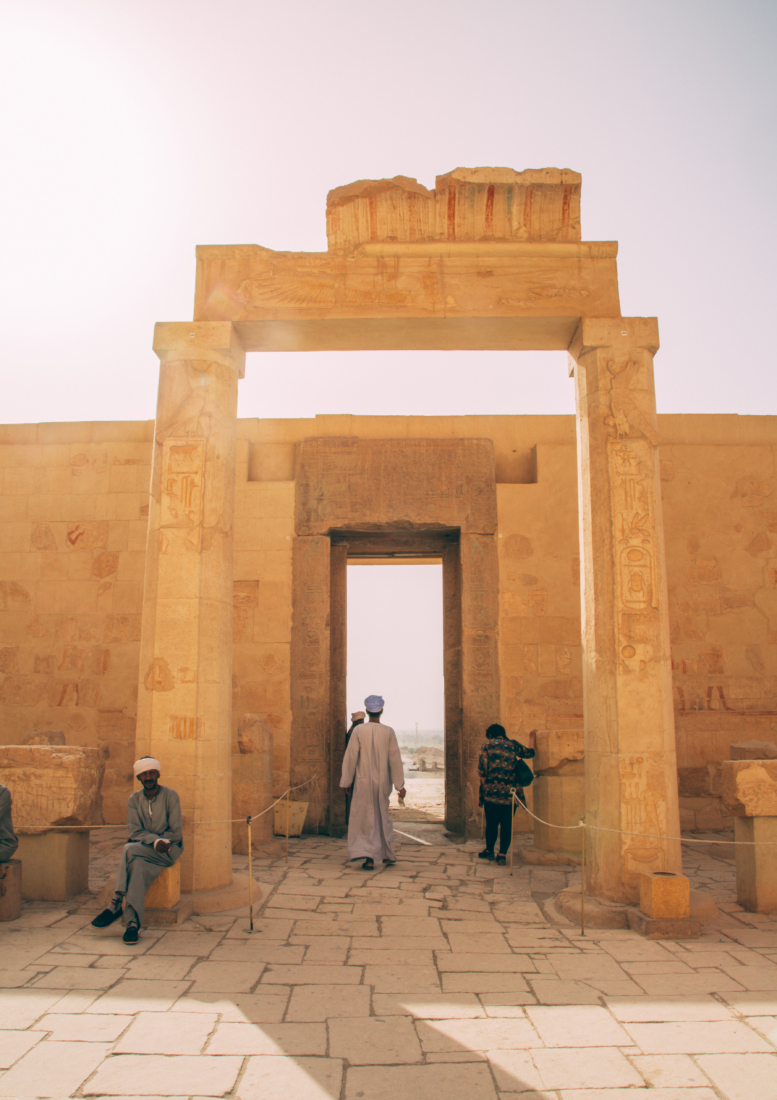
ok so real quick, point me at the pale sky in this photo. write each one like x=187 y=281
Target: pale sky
x=133 y=130
x=395 y=642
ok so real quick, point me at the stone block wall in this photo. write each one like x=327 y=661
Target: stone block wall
x=73 y=517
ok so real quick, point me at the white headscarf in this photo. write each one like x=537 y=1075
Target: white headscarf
x=146 y=764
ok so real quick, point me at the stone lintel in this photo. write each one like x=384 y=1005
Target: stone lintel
x=200 y=338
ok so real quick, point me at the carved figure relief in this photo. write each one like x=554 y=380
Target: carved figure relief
x=643 y=800
x=183 y=470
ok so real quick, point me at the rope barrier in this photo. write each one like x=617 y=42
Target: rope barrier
x=651 y=836
x=213 y=821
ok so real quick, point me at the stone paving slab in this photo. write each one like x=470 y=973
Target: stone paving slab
x=440 y=978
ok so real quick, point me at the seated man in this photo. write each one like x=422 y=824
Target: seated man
x=8 y=840
x=155 y=842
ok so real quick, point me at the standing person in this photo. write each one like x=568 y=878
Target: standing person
x=373 y=764
x=155 y=841
x=8 y=839
x=498 y=771
x=357 y=718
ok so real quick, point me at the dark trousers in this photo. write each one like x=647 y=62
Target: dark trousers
x=498 y=819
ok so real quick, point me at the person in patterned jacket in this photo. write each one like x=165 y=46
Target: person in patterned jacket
x=497 y=769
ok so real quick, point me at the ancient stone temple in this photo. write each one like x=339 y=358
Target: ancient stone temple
x=612 y=572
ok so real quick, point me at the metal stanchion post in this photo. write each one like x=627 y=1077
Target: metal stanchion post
x=250 y=880
x=512 y=815
x=582 y=885
x=288 y=812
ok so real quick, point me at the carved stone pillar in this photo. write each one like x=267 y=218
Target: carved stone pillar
x=630 y=758
x=185 y=690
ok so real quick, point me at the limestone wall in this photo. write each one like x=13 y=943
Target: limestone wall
x=73 y=507
x=73 y=517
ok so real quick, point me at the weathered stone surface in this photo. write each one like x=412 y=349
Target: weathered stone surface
x=395 y=484
x=467 y=204
x=53 y=785
x=560 y=801
x=756 y=861
x=557 y=748
x=185 y=674
x=665 y=896
x=630 y=751
x=254 y=735
x=252 y=783
x=754 y=750
x=44 y=737
x=750 y=787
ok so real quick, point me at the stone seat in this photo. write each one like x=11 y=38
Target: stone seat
x=10 y=889
x=165 y=891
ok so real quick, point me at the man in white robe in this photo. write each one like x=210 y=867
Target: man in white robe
x=373 y=763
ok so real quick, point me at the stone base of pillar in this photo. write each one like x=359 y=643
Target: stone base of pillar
x=56 y=864
x=664 y=928
x=234 y=896
x=603 y=914
x=169 y=918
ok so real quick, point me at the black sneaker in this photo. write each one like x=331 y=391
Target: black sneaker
x=485 y=854
x=501 y=859
x=131 y=934
x=108 y=916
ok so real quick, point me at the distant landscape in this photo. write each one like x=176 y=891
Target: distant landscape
x=408 y=742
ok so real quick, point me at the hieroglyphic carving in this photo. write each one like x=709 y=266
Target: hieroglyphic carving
x=405 y=483
x=630 y=463
x=643 y=804
x=183 y=473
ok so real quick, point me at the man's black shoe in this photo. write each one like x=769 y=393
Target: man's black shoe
x=108 y=916
x=501 y=859
x=485 y=854
x=131 y=934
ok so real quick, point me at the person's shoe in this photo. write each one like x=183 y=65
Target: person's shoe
x=389 y=862
x=368 y=865
x=131 y=933
x=485 y=854
x=109 y=915
x=501 y=859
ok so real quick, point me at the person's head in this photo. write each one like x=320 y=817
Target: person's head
x=147 y=771
x=374 y=705
x=495 y=731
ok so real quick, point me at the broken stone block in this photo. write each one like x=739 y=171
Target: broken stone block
x=756 y=860
x=750 y=787
x=55 y=865
x=560 y=751
x=53 y=784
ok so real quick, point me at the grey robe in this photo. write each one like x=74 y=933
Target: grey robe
x=140 y=863
x=8 y=841
x=373 y=763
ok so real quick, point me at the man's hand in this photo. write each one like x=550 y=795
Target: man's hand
x=162 y=845
x=402 y=793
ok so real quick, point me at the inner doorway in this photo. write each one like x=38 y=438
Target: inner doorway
x=395 y=649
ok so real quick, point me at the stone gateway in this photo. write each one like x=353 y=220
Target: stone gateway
x=166 y=585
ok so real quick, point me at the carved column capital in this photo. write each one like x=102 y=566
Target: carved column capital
x=197 y=340
x=619 y=333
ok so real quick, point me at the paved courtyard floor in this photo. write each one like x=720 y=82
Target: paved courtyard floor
x=442 y=978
